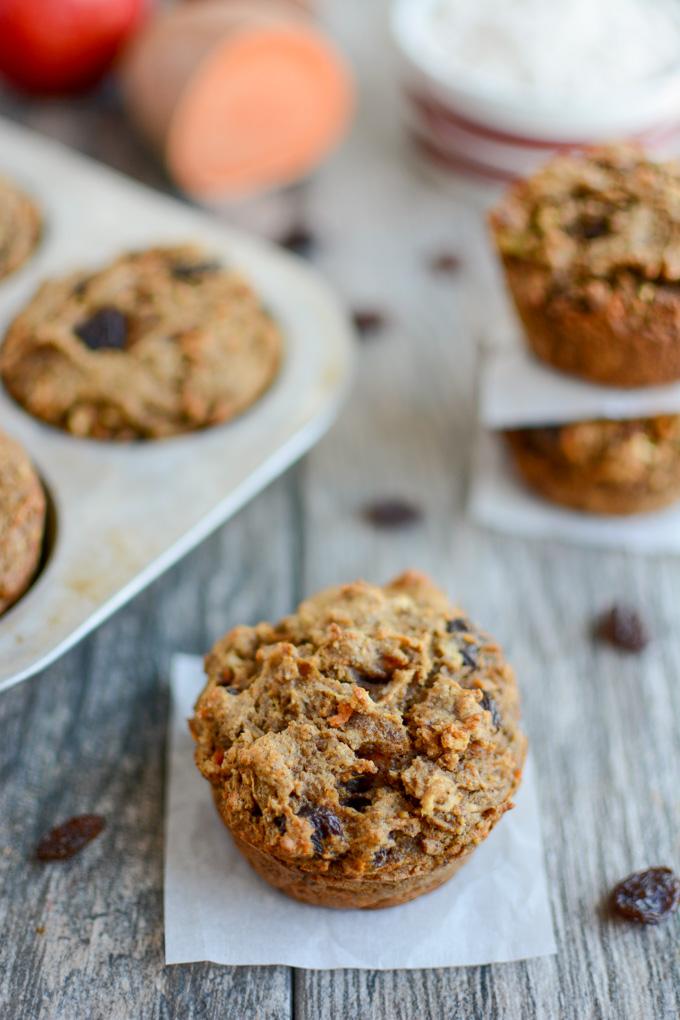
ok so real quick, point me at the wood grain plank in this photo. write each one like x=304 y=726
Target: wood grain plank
x=89 y=735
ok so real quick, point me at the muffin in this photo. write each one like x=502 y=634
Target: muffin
x=591 y=251
x=360 y=749
x=603 y=467
x=157 y=343
x=20 y=227
x=22 y=521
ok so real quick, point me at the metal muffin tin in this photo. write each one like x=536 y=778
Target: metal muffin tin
x=125 y=512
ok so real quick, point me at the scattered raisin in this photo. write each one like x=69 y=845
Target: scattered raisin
x=392 y=513
x=368 y=321
x=192 y=271
x=446 y=262
x=622 y=627
x=107 y=327
x=300 y=241
x=280 y=822
x=69 y=838
x=489 y=705
x=360 y=784
x=647 y=897
x=256 y=810
x=325 y=822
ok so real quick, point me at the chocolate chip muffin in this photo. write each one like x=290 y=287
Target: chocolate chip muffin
x=360 y=749
x=603 y=467
x=22 y=521
x=158 y=342
x=591 y=251
x=20 y=227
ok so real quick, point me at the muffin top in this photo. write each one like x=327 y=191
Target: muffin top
x=20 y=226
x=374 y=731
x=22 y=520
x=595 y=214
x=158 y=342
x=616 y=452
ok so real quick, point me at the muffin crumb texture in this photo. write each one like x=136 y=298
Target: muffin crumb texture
x=22 y=521
x=20 y=227
x=159 y=342
x=362 y=747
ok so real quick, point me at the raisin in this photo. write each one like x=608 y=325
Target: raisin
x=391 y=513
x=280 y=822
x=458 y=626
x=300 y=241
x=368 y=321
x=446 y=263
x=469 y=655
x=647 y=897
x=325 y=823
x=256 y=810
x=360 y=784
x=107 y=327
x=69 y=838
x=357 y=803
x=588 y=227
x=381 y=856
x=192 y=271
x=622 y=627
x=489 y=705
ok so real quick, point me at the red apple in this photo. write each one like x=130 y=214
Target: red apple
x=53 y=46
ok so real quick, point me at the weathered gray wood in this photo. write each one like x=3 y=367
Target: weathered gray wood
x=605 y=729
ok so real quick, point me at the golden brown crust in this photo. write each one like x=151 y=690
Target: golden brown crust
x=362 y=747
x=591 y=250
x=22 y=521
x=604 y=467
x=20 y=227
x=157 y=343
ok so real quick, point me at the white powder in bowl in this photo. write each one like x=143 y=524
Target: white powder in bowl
x=550 y=51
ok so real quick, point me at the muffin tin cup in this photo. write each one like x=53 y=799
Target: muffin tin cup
x=125 y=512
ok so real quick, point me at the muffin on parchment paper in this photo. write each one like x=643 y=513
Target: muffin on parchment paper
x=604 y=467
x=591 y=250
x=360 y=749
x=20 y=227
x=22 y=521
x=159 y=342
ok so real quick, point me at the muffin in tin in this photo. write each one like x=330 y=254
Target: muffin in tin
x=591 y=251
x=22 y=521
x=360 y=749
x=603 y=467
x=20 y=227
x=159 y=342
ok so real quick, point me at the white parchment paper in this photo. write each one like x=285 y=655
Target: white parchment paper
x=216 y=908
x=499 y=500
x=518 y=390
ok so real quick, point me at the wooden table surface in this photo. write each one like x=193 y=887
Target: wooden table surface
x=85 y=939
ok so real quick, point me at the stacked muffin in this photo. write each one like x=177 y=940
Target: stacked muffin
x=591 y=251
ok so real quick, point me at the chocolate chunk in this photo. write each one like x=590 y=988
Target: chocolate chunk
x=392 y=513
x=489 y=705
x=622 y=627
x=192 y=271
x=458 y=626
x=647 y=897
x=300 y=241
x=446 y=262
x=69 y=838
x=107 y=327
x=325 y=822
x=368 y=321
